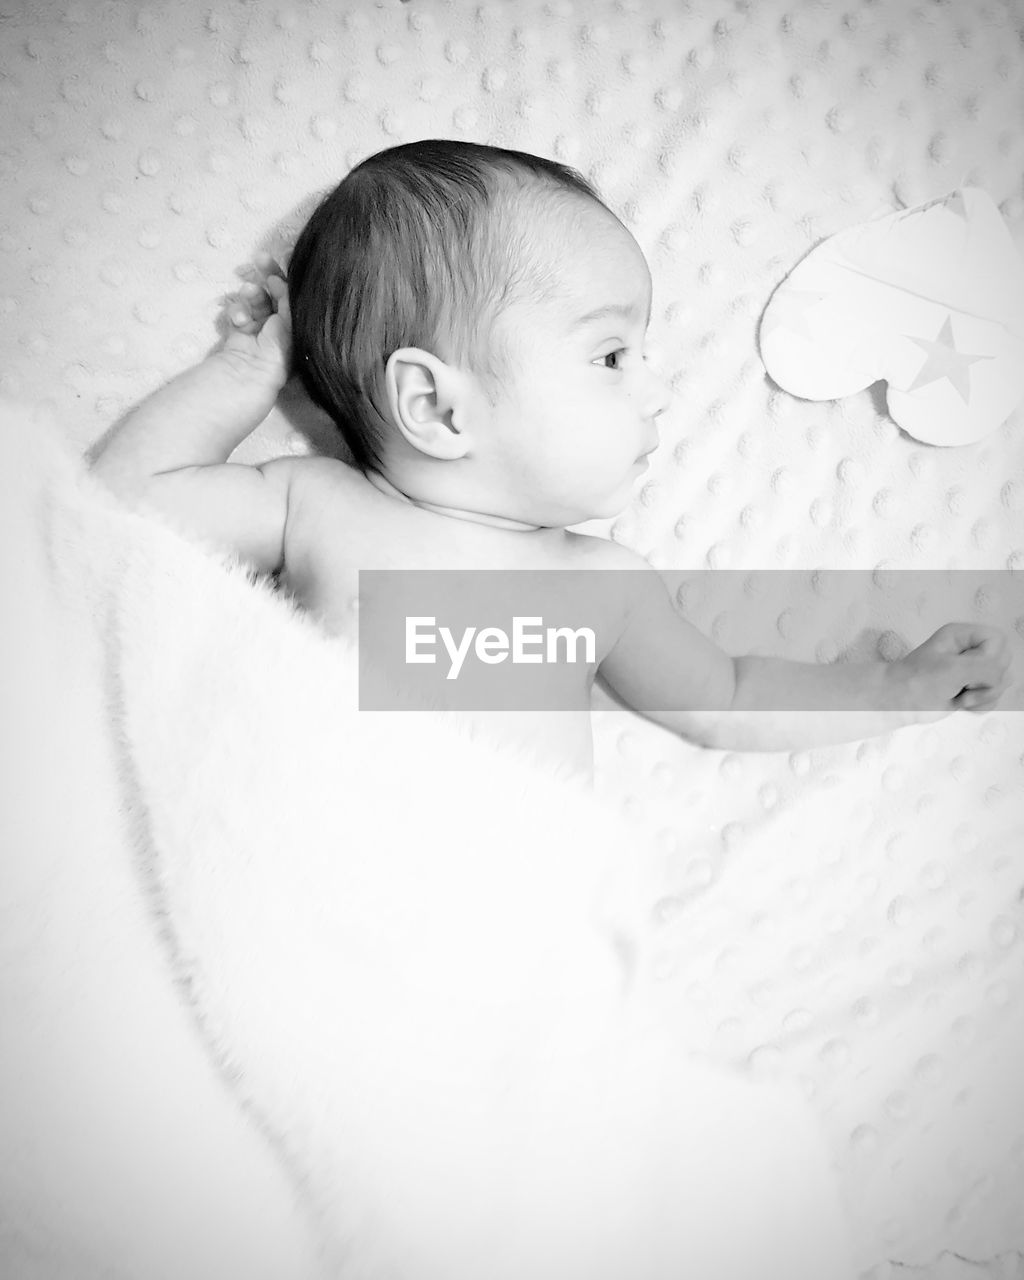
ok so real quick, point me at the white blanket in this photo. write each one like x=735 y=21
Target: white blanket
x=847 y=919
x=412 y=958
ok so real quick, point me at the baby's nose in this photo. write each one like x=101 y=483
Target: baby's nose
x=658 y=395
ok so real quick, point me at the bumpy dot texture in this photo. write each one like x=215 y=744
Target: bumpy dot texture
x=851 y=916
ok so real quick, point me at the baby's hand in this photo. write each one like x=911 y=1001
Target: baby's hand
x=962 y=667
x=259 y=344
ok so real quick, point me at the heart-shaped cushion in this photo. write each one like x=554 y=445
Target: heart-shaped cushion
x=930 y=300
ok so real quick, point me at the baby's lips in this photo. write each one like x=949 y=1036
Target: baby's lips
x=929 y=300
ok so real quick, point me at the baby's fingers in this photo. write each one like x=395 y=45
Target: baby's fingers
x=982 y=695
x=269 y=265
x=255 y=304
x=977 y=700
x=965 y=637
x=983 y=667
x=256 y=293
x=278 y=290
x=241 y=318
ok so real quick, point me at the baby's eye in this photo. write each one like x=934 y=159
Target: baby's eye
x=614 y=355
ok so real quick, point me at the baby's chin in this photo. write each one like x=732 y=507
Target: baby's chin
x=592 y=511
x=618 y=501
x=563 y=510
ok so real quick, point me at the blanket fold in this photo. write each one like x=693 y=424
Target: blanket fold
x=403 y=950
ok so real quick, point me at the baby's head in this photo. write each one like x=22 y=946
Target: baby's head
x=442 y=299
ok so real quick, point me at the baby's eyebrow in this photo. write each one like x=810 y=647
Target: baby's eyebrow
x=617 y=309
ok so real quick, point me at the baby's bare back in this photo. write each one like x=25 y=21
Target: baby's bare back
x=338 y=523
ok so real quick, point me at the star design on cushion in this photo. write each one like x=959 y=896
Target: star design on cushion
x=945 y=361
x=790 y=309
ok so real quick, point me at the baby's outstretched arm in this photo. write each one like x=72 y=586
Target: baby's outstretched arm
x=170 y=453
x=664 y=668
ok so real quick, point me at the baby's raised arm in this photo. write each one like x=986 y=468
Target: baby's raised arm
x=665 y=669
x=169 y=455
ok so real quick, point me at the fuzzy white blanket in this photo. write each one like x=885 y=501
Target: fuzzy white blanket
x=410 y=956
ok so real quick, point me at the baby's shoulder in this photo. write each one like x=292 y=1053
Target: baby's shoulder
x=338 y=518
x=330 y=520
x=327 y=493
x=318 y=477
x=609 y=577
x=586 y=551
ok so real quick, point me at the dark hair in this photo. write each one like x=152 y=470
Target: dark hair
x=419 y=245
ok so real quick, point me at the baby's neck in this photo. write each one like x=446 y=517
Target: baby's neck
x=383 y=485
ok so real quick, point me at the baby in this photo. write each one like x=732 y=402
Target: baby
x=473 y=319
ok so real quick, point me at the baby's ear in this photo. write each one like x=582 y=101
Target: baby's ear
x=424 y=397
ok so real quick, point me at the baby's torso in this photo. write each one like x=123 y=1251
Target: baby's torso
x=339 y=524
